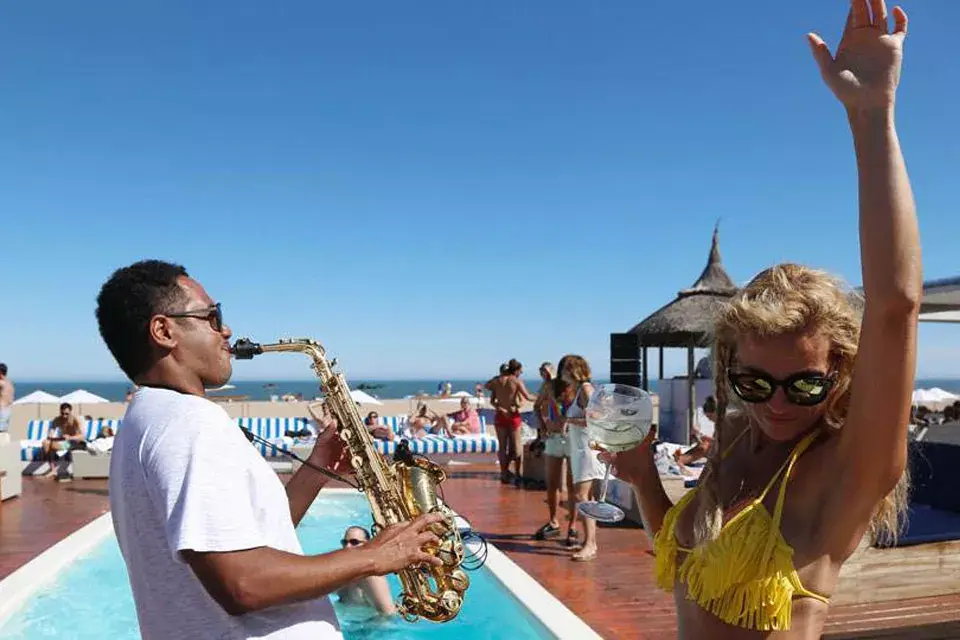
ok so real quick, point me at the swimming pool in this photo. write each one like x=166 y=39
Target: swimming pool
x=89 y=597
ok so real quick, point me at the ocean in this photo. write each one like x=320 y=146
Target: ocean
x=262 y=390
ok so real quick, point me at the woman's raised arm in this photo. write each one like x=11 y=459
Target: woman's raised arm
x=872 y=450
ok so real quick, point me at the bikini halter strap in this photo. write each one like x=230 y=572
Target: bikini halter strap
x=786 y=469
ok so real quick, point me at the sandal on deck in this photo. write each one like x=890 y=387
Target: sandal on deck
x=547 y=531
x=572 y=537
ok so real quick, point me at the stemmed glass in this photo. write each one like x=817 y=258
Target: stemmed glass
x=618 y=418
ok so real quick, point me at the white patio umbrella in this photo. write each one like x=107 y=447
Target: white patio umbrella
x=935 y=398
x=37 y=397
x=363 y=397
x=82 y=396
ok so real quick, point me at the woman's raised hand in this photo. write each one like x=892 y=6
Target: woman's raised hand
x=866 y=69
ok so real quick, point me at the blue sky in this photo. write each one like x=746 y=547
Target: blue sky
x=432 y=188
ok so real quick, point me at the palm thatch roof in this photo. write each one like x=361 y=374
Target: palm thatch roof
x=688 y=320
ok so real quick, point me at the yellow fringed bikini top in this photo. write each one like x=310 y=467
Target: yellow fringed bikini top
x=746 y=576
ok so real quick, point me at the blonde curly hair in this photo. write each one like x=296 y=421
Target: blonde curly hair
x=784 y=299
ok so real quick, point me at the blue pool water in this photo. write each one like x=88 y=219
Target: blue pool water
x=92 y=599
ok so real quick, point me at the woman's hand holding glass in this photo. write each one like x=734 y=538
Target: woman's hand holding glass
x=629 y=465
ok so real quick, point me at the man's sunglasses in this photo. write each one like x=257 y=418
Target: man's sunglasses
x=353 y=542
x=805 y=388
x=213 y=315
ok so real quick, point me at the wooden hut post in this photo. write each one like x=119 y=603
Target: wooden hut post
x=645 y=382
x=661 y=363
x=692 y=395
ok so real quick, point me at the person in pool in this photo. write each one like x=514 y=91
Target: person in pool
x=804 y=384
x=372 y=591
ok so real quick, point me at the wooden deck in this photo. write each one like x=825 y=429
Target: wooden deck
x=614 y=594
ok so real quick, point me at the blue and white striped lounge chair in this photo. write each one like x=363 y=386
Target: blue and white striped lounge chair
x=274 y=430
x=37 y=431
x=436 y=445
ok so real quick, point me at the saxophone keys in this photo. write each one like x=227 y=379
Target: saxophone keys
x=459 y=580
x=451 y=601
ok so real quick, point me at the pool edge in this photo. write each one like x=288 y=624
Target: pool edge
x=22 y=584
x=549 y=611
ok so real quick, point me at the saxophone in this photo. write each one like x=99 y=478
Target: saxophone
x=397 y=492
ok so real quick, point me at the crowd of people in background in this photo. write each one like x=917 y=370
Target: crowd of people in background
x=559 y=416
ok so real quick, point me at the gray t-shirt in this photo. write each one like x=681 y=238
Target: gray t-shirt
x=183 y=476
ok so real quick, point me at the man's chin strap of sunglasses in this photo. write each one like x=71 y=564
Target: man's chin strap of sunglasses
x=254 y=438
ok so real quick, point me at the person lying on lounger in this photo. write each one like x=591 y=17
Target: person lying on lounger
x=322 y=417
x=701 y=434
x=377 y=430
x=423 y=423
x=465 y=422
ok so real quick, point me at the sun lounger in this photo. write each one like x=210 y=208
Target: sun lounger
x=434 y=444
x=274 y=430
x=37 y=430
x=934 y=510
x=10 y=482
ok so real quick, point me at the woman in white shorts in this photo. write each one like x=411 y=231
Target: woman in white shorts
x=550 y=415
x=585 y=466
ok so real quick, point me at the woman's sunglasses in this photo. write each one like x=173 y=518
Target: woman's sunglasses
x=805 y=388
x=213 y=315
x=353 y=542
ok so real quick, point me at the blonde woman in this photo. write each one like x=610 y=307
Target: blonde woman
x=585 y=467
x=811 y=456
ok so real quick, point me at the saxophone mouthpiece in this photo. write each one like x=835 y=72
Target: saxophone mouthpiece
x=245 y=349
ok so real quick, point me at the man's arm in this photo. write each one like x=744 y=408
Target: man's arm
x=256 y=579
x=302 y=489
x=525 y=392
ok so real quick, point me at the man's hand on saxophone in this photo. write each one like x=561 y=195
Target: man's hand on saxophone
x=400 y=546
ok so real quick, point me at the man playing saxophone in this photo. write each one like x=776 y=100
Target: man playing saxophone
x=205 y=526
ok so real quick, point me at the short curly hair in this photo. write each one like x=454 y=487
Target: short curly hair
x=126 y=303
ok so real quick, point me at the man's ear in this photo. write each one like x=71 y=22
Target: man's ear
x=163 y=332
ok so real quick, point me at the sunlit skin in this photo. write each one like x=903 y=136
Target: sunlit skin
x=782 y=356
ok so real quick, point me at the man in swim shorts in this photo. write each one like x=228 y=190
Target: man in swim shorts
x=507 y=395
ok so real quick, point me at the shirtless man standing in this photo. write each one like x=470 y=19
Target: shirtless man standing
x=507 y=395
x=6 y=398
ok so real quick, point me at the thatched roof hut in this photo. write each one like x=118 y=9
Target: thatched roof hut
x=688 y=320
